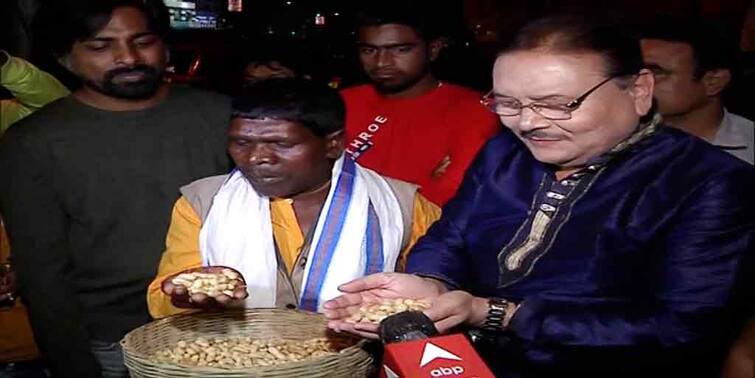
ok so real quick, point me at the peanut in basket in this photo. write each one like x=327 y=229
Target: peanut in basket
x=245 y=352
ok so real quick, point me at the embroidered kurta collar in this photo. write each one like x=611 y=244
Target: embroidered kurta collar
x=551 y=208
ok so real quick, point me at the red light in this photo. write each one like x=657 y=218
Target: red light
x=195 y=66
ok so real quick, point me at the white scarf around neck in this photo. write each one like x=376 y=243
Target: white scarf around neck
x=238 y=233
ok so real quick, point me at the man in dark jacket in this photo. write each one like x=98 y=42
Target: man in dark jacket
x=89 y=181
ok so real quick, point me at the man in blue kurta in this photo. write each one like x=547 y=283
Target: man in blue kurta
x=589 y=239
x=636 y=265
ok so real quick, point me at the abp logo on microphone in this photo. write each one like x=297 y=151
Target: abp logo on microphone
x=443 y=356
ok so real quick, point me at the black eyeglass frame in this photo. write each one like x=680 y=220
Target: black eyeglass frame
x=568 y=108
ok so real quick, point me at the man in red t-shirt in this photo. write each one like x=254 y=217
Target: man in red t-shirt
x=406 y=124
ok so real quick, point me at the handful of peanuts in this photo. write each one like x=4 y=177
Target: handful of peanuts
x=374 y=313
x=210 y=284
x=245 y=352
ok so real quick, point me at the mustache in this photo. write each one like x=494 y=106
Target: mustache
x=539 y=134
x=257 y=173
x=390 y=71
x=148 y=71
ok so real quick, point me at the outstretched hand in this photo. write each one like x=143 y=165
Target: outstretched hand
x=376 y=288
x=180 y=297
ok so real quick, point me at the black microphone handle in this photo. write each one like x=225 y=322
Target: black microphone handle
x=406 y=326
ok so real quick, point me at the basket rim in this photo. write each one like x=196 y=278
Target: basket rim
x=131 y=355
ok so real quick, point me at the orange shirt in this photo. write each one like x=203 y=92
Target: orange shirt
x=182 y=243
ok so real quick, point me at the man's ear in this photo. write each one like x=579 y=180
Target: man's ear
x=334 y=144
x=641 y=89
x=715 y=81
x=434 y=48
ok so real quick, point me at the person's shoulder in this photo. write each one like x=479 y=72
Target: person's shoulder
x=696 y=167
x=204 y=185
x=55 y=117
x=200 y=96
x=742 y=125
x=463 y=101
x=206 y=108
x=740 y=120
x=401 y=184
x=200 y=193
x=689 y=161
x=503 y=144
x=461 y=96
x=183 y=91
x=460 y=91
x=499 y=152
x=691 y=148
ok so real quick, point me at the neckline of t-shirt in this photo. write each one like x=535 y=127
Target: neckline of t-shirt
x=126 y=113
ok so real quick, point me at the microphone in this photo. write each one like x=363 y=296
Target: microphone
x=406 y=326
x=414 y=349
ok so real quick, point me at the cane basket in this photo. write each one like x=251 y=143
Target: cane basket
x=141 y=344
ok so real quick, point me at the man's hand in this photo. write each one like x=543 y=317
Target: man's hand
x=376 y=288
x=457 y=307
x=179 y=294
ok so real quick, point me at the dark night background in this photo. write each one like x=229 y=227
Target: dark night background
x=213 y=58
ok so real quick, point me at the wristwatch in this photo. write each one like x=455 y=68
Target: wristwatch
x=495 y=320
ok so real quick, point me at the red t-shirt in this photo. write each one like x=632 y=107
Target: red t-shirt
x=408 y=139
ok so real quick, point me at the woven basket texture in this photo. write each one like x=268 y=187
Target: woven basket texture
x=141 y=344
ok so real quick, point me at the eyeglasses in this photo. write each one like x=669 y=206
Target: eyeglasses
x=508 y=107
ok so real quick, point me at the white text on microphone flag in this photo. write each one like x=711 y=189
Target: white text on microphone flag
x=433 y=351
x=389 y=373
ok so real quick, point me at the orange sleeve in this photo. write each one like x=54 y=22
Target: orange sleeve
x=424 y=215
x=181 y=253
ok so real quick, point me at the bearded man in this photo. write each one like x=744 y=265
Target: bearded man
x=89 y=181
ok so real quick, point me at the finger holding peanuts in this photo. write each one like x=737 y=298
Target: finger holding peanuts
x=205 y=287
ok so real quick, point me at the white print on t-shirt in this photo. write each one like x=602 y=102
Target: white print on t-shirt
x=363 y=141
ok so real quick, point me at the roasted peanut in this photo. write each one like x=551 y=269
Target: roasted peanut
x=211 y=284
x=376 y=312
x=240 y=352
